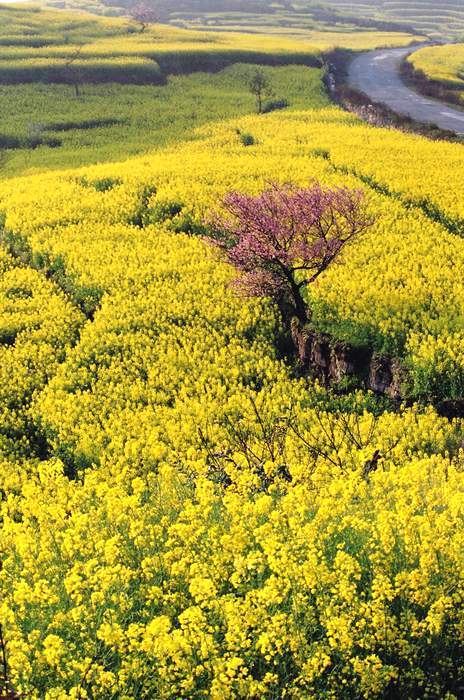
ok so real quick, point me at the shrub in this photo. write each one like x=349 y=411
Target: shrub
x=247 y=139
x=105 y=184
x=320 y=153
x=274 y=105
x=165 y=211
x=7 y=141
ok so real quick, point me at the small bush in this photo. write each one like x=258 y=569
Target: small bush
x=274 y=105
x=142 y=215
x=320 y=153
x=188 y=225
x=9 y=141
x=105 y=184
x=247 y=139
x=52 y=142
x=165 y=211
x=34 y=142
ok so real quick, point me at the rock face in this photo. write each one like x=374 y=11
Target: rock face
x=334 y=363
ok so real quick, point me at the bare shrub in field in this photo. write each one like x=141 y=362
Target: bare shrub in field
x=73 y=72
x=260 y=87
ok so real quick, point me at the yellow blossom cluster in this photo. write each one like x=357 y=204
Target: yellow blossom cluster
x=150 y=585
x=37 y=325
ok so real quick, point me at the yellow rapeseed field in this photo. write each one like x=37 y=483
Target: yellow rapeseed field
x=144 y=551
x=442 y=63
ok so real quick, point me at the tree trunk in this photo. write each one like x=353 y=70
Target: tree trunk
x=301 y=310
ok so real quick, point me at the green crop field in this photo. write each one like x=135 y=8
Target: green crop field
x=78 y=131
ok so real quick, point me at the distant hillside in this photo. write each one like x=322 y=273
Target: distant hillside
x=436 y=18
x=265 y=15
x=441 y=19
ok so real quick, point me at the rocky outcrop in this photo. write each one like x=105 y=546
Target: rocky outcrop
x=451 y=408
x=336 y=363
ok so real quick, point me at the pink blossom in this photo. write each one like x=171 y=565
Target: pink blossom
x=283 y=239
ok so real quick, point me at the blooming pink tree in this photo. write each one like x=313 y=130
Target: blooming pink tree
x=283 y=239
x=144 y=14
